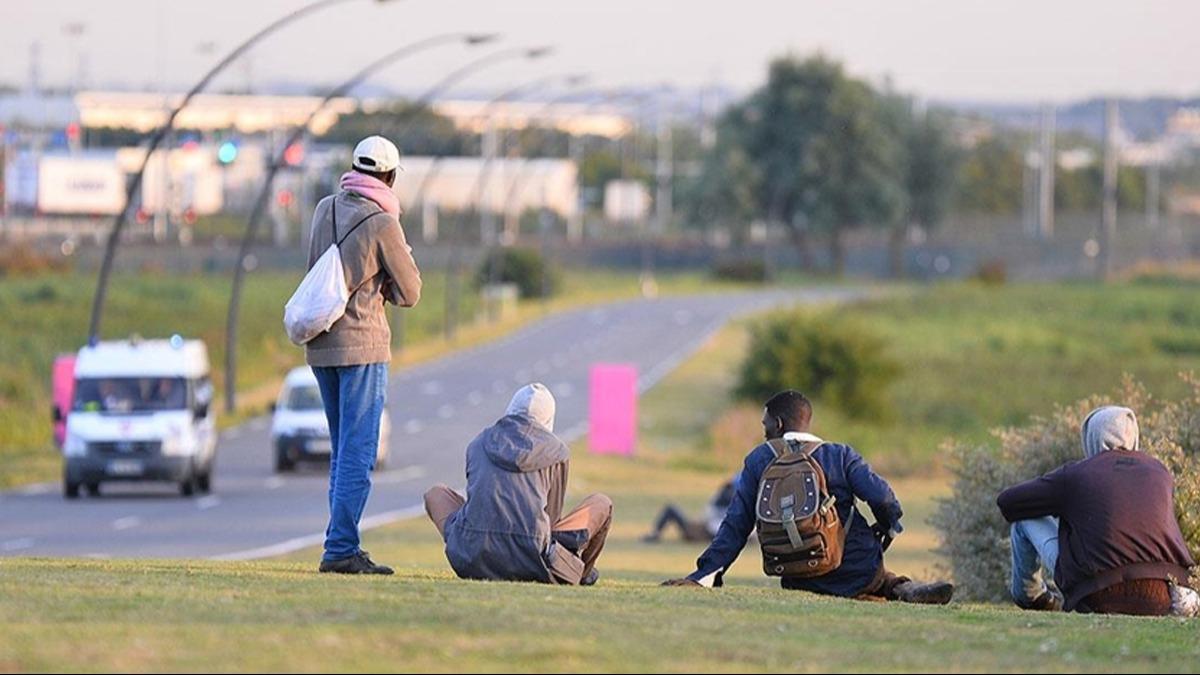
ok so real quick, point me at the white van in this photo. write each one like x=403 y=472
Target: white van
x=299 y=428
x=142 y=410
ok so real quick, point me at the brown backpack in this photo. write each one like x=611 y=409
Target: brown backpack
x=798 y=525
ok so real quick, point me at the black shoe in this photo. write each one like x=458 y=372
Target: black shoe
x=937 y=593
x=1049 y=601
x=359 y=563
x=591 y=578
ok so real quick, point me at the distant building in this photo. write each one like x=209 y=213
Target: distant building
x=572 y=118
x=511 y=185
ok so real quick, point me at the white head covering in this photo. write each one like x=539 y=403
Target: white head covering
x=1110 y=428
x=535 y=402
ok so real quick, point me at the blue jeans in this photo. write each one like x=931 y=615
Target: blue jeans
x=353 y=397
x=1034 y=546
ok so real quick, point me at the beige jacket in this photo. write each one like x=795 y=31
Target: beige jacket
x=379 y=268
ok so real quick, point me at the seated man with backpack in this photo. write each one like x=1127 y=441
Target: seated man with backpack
x=800 y=491
x=511 y=526
x=1104 y=527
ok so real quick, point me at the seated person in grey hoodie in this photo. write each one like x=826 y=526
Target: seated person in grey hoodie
x=1104 y=527
x=510 y=526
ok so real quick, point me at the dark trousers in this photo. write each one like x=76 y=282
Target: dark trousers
x=690 y=530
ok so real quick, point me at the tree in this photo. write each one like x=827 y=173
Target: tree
x=822 y=147
x=930 y=171
x=724 y=193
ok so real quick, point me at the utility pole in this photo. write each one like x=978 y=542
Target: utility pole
x=664 y=171
x=1153 y=190
x=1108 y=226
x=1046 y=175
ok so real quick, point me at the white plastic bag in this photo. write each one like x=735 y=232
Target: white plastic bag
x=320 y=299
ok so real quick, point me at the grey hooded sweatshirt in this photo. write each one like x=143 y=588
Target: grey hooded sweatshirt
x=516 y=470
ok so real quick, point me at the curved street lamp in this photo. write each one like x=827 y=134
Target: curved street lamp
x=260 y=203
x=135 y=182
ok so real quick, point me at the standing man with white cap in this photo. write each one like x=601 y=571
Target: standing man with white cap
x=351 y=359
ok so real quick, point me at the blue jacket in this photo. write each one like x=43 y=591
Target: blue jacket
x=848 y=476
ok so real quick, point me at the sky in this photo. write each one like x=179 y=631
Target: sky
x=993 y=51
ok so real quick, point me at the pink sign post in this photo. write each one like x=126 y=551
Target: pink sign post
x=612 y=409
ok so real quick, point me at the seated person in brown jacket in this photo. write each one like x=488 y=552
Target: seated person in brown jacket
x=1104 y=527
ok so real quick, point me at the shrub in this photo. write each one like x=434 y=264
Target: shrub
x=973 y=534
x=741 y=269
x=524 y=267
x=992 y=272
x=24 y=260
x=836 y=361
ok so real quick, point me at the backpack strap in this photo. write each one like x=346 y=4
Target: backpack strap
x=788 y=506
x=782 y=447
x=333 y=209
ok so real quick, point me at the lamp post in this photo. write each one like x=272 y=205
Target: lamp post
x=134 y=183
x=264 y=195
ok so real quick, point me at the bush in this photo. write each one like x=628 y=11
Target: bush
x=742 y=269
x=22 y=260
x=521 y=266
x=992 y=272
x=973 y=534
x=833 y=360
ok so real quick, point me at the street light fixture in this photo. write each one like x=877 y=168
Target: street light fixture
x=280 y=160
x=135 y=182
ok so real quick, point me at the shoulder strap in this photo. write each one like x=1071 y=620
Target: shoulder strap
x=352 y=229
x=781 y=447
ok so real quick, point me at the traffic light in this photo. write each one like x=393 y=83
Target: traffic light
x=227 y=152
x=293 y=155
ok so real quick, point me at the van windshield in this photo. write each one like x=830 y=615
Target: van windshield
x=130 y=394
x=304 y=398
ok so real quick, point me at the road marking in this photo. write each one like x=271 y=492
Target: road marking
x=207 y=502
x=431 y=388
x=292 y=545
x=413 y=427
x=274 y=483
x=446 y=411
x=126 y=523
x=475 y=397
x=17 y=544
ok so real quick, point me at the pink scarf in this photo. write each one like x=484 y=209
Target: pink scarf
x=373 y=189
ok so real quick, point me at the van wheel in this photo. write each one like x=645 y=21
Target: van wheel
x=93 y=489
x=204 y=482
x=187 y=487
x=70 y=490
x=282 y=463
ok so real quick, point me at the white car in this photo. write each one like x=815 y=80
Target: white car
x=299 y=429
x=141 y=410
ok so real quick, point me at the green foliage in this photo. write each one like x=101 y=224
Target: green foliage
x=974 y=536
x=741 y=269
x=525 y=267
x=837 y=362
x=991 y=177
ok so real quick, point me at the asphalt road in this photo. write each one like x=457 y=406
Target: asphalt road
x=436 y=408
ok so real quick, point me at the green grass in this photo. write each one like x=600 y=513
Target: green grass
x=976 y=357
x=281 y=616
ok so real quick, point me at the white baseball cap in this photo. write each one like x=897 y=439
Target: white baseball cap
x=377 y=154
